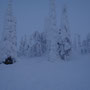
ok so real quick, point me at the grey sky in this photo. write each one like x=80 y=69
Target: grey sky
x=30 y=15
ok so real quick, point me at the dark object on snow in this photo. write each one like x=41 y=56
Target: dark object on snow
x=9 y=60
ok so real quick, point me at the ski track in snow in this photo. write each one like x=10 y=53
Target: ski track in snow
x=40 y=74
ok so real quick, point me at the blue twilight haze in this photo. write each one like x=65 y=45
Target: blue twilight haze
x=31 y=15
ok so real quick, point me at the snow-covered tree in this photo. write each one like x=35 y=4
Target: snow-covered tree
x=88 y=43
x=52 y=32
x=37 y=44
x=64 y=37
x=46 y=34
x=43 y=42
x=84 y=47
x=78 y=43
x=23 y=47
x=75 y=42
x=34 y=45
x=8 y=46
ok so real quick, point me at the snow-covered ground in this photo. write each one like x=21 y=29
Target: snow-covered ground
x=40 y=74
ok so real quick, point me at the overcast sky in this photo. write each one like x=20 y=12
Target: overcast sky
x=31 y=14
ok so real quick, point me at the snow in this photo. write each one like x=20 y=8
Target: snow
x=41 y=74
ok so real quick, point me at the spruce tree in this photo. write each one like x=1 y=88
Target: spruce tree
x=52 y=32
x=64 y=37
x=9 y=38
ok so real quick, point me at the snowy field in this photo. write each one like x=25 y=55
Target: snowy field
x=40 y=74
